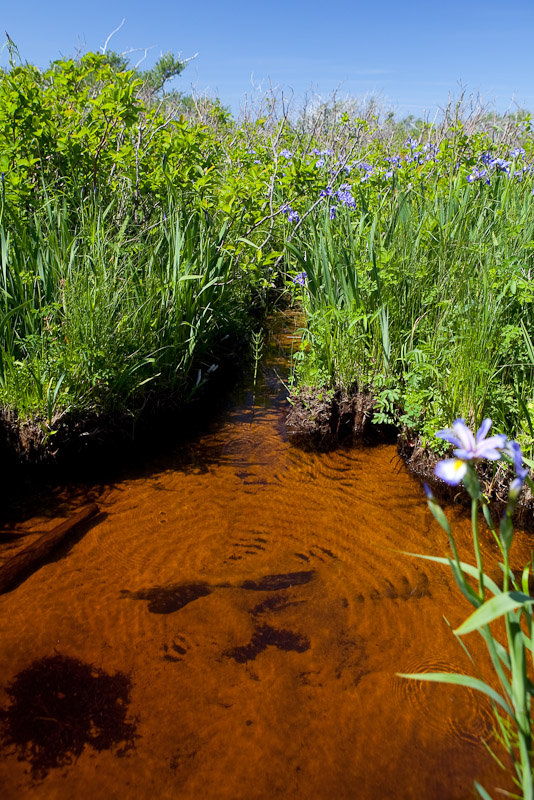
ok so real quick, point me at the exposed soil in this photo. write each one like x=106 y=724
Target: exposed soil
x=322 y=421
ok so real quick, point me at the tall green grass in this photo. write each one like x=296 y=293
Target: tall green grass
x=427 y=298
x=95 y=315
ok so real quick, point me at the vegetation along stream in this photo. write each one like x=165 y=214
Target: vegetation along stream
x=232 y=624
x=233 y=613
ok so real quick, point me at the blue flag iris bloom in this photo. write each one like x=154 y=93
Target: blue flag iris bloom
x=468 y=448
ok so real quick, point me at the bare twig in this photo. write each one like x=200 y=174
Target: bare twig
x=110 y=35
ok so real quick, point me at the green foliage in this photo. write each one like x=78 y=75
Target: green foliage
x=80 y=128
x=429 y=277
x=419 y=289
x=93 y=318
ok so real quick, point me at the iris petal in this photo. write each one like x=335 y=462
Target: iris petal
x=464 y=435
x=483 y=430
x=451 y=470
x=448 y=435
x=491 y=448
x=465 y=455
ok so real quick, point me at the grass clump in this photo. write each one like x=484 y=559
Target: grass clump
x=94 y=317
x=418 y=287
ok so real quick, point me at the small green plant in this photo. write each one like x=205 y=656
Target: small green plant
x=257 y=351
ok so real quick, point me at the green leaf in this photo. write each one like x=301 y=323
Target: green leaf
x=439 y=515
x=492 y=609
x=467 y=568
x=459 y=680
x=482 y=792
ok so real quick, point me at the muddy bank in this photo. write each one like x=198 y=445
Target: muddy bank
x=84 y=443
x=324 y=420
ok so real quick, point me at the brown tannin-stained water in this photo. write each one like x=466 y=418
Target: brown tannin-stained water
x=232 y=626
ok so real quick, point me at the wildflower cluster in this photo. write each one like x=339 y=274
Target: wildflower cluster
x=321 y=153
x=491 y=164
x=368 y=171
x=292 y=215
x=342 y=196
x=478 y=175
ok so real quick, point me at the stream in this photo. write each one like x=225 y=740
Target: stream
x=231 y=625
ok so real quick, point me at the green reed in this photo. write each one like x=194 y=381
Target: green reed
x=511 y=652
x=429 y=290
x=96 y=313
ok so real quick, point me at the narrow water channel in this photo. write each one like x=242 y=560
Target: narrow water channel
x=231 y=627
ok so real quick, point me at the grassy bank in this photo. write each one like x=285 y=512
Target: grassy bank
x=137 y=230
x=121 y=283
x=415 y=274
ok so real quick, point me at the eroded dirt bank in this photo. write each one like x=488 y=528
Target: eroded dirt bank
x=322 y=421
x=86 y=443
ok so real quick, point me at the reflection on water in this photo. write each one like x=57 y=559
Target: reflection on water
x=254 y=600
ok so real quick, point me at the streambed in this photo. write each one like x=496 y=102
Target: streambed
x=232 y=624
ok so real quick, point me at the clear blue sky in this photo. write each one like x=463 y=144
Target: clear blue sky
x=411 y=54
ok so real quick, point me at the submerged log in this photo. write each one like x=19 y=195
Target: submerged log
x=33 y=554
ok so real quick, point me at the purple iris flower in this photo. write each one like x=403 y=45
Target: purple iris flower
x=333 y=211
x=468 y=448
x=344 y=195
x=300 y=279
x=478 y=175
x=514 y=451
x=500 y=164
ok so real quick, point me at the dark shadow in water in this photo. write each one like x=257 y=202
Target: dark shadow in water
x=273 y=583
x=265 y=637
x=168 y=599
x=273 y=605
x=58 y=705
x=6 y=537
